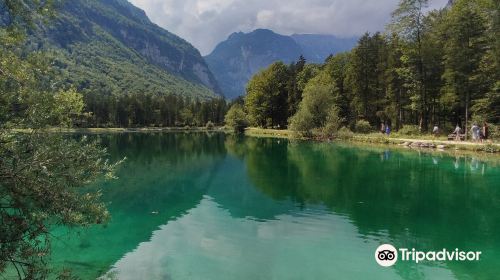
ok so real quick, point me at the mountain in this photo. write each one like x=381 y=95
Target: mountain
x=111 y=47
x=235 y=60
x=318 y=47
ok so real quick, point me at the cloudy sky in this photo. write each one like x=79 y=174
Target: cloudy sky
x=204 y=23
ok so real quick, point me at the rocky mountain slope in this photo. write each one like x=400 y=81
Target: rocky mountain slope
x=111 y=46
x=235 y=60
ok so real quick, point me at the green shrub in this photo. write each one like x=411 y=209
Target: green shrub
x=333 y=122
x=209 y=125
x=301 y=122
x=410 y=130
x=345 y=133
x=363 y=126
x=490 y=148
x=494 y=132
x=236 y=118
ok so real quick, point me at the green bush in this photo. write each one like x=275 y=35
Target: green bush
x=410 y=130
x=332 y=123
x=209 y=125
x=494 y=132
x=345 y=133
x=316 y=108
x=490 y=148
x=236 y=118
x=363 y=126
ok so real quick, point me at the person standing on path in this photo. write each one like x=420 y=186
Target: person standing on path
x=475 y=132
x=457 y=132
x=485 y=131
x=435 y=131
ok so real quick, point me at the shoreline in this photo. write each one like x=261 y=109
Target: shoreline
x=407 y=142
x=422 y=143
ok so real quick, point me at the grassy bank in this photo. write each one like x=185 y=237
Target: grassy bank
x=378 y=138
x=263 y=132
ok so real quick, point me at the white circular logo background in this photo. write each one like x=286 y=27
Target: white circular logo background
x=386 y=255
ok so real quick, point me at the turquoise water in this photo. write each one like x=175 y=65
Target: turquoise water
x=210 y=206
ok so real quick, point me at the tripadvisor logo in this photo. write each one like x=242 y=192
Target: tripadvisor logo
x=387 y=255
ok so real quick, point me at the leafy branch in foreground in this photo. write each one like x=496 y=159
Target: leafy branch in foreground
x=43 y=176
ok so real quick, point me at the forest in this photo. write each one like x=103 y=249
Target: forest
x=438 y=68
x=150 y=110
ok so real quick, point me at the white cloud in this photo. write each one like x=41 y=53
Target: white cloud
x=205 y=23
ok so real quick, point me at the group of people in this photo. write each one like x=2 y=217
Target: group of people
x=479 y=134
x=385 y=129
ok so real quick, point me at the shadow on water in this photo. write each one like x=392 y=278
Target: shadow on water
x=179 y=186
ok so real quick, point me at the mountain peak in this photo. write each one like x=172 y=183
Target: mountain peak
x=263 y=31
x=237 y=59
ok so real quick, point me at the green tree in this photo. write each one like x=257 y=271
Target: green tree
x=42 y=175
x=316 y=105
x=395 y=99
x=365 y=76
x=408 y=23
x=236 y=118
x=266 y=99
x=465 y=47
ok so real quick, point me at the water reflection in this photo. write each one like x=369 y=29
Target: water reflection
x=197 y=206
x=164 y=176
x=414 y=198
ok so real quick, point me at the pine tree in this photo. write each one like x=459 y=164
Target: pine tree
x=465 y=46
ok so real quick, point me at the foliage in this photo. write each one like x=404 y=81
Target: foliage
x=317 y=102
x=464 y=49
x=488 y=107
x=363 y=76
x=43 y=180
x=67 y=105
x=430 y=68
x=410 y=130
x=345 y=133
x=267 y=97
x=142 y=109
x=494 y=131
x=94 y=54
x=43 y=177
x=210 y=125
x=333 y=122
x=236 y=118
x=363 y=126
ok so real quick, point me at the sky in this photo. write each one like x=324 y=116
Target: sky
x=205 y=23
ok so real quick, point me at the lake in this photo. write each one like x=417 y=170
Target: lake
x=212 y=206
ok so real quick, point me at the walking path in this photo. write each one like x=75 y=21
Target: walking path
x=443 y=142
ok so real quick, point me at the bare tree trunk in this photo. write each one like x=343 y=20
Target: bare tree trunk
x=466 y=114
